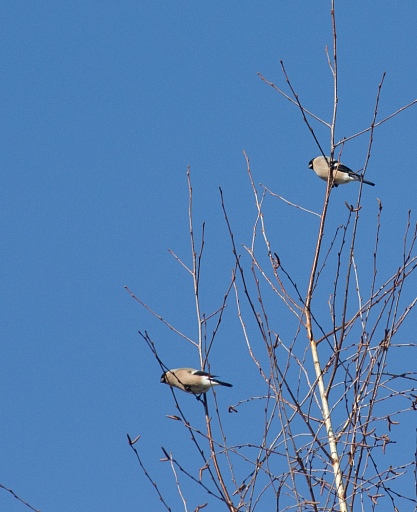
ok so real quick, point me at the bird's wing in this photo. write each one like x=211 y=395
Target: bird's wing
x=345 y=169
x=342 y=168
x=204 y=374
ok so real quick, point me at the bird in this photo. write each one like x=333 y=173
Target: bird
x=191 y=381
x=341 y=173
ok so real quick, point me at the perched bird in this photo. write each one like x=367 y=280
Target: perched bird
x=191 y=381
x=341 y=173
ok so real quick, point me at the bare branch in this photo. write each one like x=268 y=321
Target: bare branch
x=159 y=317
x=292 y=101
x=366 y=130
x=19 y=498
x=288 y=202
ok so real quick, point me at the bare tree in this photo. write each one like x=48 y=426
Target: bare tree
x=330 y=404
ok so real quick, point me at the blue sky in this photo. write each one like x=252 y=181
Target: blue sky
x=103 y=107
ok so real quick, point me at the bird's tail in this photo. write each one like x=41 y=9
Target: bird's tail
x=368 y=182
x=222 y=383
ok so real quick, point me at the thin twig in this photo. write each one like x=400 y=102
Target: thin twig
x=345 y=139
x=289 y=202
x=292 y=101
x=159 y=317
x=177 y=483
x=153 y=483
x=19 y=498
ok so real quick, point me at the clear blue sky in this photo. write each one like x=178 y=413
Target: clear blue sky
x=103 y=107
